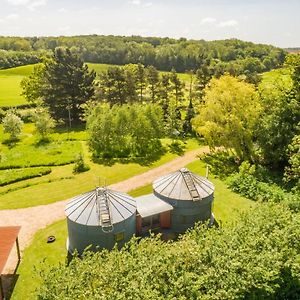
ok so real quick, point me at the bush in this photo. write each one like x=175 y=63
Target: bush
x=43 y=122
x=12 y=124
x=80 y=165
x=258 y=258
x=245 y=182
x=15 y=175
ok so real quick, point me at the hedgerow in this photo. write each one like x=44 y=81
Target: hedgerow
x=15 y=175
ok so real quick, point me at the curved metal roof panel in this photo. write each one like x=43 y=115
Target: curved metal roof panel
x=87 y=209
x=183 y=185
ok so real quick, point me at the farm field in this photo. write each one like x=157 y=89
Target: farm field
x=10 y=79
x=227 y=206
x=61 y=183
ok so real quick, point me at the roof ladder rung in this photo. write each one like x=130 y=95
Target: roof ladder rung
x=103 y=208
x=191 y=185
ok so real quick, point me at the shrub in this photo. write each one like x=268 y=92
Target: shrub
x=80 y=166
x=12 y=124
x=245 y=182
x=43 y=122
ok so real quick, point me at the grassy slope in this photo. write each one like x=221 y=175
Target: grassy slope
x=10 y=90
x=226 y=207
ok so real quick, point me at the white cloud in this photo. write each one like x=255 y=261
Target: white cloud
x=30 y=4
x=135 y=2
x=11 y=17
x=229 y=23
x=18 y=2
x=208 y=20
x=62 y=10
x=148 y=4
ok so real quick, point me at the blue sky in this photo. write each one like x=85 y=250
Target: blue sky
x=266 y=21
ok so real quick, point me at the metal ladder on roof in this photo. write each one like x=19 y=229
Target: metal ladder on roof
x=190 y=185
x=103 y=210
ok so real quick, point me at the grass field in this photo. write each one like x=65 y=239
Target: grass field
x=227 y=206
x=10 y=90
x=61 y=183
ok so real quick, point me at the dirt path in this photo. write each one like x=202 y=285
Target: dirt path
x=34 y=218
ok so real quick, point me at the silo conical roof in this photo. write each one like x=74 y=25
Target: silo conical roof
x=102 y=205
x=183 y=185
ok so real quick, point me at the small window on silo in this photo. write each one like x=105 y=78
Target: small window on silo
x=119 y=236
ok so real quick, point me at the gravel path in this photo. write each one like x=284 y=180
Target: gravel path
x=34 y=218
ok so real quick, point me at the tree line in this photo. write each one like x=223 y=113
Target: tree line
x=260 y=123
x=233 y=56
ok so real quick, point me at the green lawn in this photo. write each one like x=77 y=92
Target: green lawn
x=10 y=90
x=40 y=255
x=227 y=205
x=61 y=183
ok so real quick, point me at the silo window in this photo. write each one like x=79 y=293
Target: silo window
x=119 y=236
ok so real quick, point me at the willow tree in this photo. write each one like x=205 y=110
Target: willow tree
x=228 y=115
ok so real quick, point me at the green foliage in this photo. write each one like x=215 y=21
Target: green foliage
x=292 y=171
x=233 y=56
x=80 y=166
x=221 y=163
x=280 y=116
x=19 y=56
x=14 y=175
x=32 y=85
x=125 y=131
x=223 y=119
x=246 y=183
x=63 y=83
x=43 y=122
x=12 y=124
x=255 y=259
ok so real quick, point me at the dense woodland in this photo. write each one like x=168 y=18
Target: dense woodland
x=234 y=56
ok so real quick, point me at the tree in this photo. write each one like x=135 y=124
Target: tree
x=177 y=87
x=164 y=94
x=125 y=131
x=43 y=122
x=33 y=84
x=292 y=171
x=223 y=119
x=113 y=85
x=64 y=83
x=141 y=80
x=280 y=116
x=12 y=124
x=190 y=114
x=203 y=76
x=153 y=81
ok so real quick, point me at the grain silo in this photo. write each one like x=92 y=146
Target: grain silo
x=100 y=218
x=190 y=195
